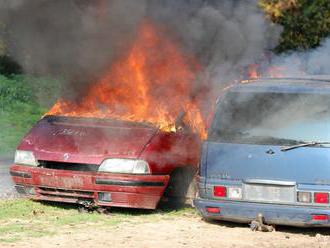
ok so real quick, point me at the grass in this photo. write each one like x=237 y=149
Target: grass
x=23 y=218
x=23 y=100
x=14 y=124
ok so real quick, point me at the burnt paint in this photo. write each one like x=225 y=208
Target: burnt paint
x=74 y=140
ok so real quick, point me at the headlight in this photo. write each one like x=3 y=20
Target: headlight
x=129 y=166
x=25 y=158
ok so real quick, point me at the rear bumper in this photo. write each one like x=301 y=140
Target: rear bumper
x=245 y=212
x=134 y=191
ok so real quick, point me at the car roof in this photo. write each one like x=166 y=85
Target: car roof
x=305 y=84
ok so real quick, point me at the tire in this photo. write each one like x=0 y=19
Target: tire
x=181 y=189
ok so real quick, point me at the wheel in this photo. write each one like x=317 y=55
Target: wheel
x=181 y=189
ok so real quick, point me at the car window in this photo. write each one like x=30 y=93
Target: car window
x=272 y=118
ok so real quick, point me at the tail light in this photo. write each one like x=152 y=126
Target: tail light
x=321 y=197
x=305 y=197
x=320 y=217
x=234 y=193
x=213 y=210
x=220 y=191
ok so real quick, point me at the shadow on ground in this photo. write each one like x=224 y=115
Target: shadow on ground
x=163 y=208
x=168 y=207
x=309 y=231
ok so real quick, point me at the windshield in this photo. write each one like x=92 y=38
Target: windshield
x=272 y=118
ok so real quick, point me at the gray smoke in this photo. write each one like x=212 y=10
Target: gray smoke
x=225 y=35
x=67 y=38
x=311 y=62
x=78 y=39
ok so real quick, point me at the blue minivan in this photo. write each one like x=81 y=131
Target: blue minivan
x=268 y=154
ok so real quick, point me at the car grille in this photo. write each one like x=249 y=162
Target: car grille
x=68 y=166
x=74 y=195
x=269 y=193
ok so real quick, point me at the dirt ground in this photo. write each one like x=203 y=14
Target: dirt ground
x=6 y=184
x=169 y=232
x=188 y=231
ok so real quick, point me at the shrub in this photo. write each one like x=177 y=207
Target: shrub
x=8 y=66
x=305 y=23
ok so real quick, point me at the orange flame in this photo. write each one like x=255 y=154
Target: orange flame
x=255 y=71
x=153 y=83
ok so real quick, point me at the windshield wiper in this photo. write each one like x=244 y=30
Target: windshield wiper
x=311 y=143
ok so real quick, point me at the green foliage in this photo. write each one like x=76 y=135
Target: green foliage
x=23 y=100
x=305 y=23
x=8 y=66
x=22 y=219
x=14 y=91
x=3 y=45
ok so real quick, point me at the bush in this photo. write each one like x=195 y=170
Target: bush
x=23 y=100
x=8 y=66
x=26 y=89
x=14 y=91
x=305 y=23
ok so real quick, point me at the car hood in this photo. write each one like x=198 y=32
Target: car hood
x=85 y=140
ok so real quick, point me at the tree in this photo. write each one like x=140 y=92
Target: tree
x=8 y=66
x=305 y=22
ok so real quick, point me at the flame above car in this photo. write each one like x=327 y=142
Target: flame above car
x=152 y=83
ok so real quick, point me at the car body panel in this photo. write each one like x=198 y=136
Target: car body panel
x=86 y=141
x=168 y=151
x=135 y=191
x=237 y=161
x=80 y=141
x=273 y=213
x=268 y=177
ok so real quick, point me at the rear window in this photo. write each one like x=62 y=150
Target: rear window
x=271 y=118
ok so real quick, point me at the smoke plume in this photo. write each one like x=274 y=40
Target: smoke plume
x=311 y=62
x=79 y=39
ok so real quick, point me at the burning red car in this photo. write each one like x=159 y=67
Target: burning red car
x=102 y=162
x=126 y=141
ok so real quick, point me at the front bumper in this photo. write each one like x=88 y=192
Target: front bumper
x=134 y=191
x=245 y=212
